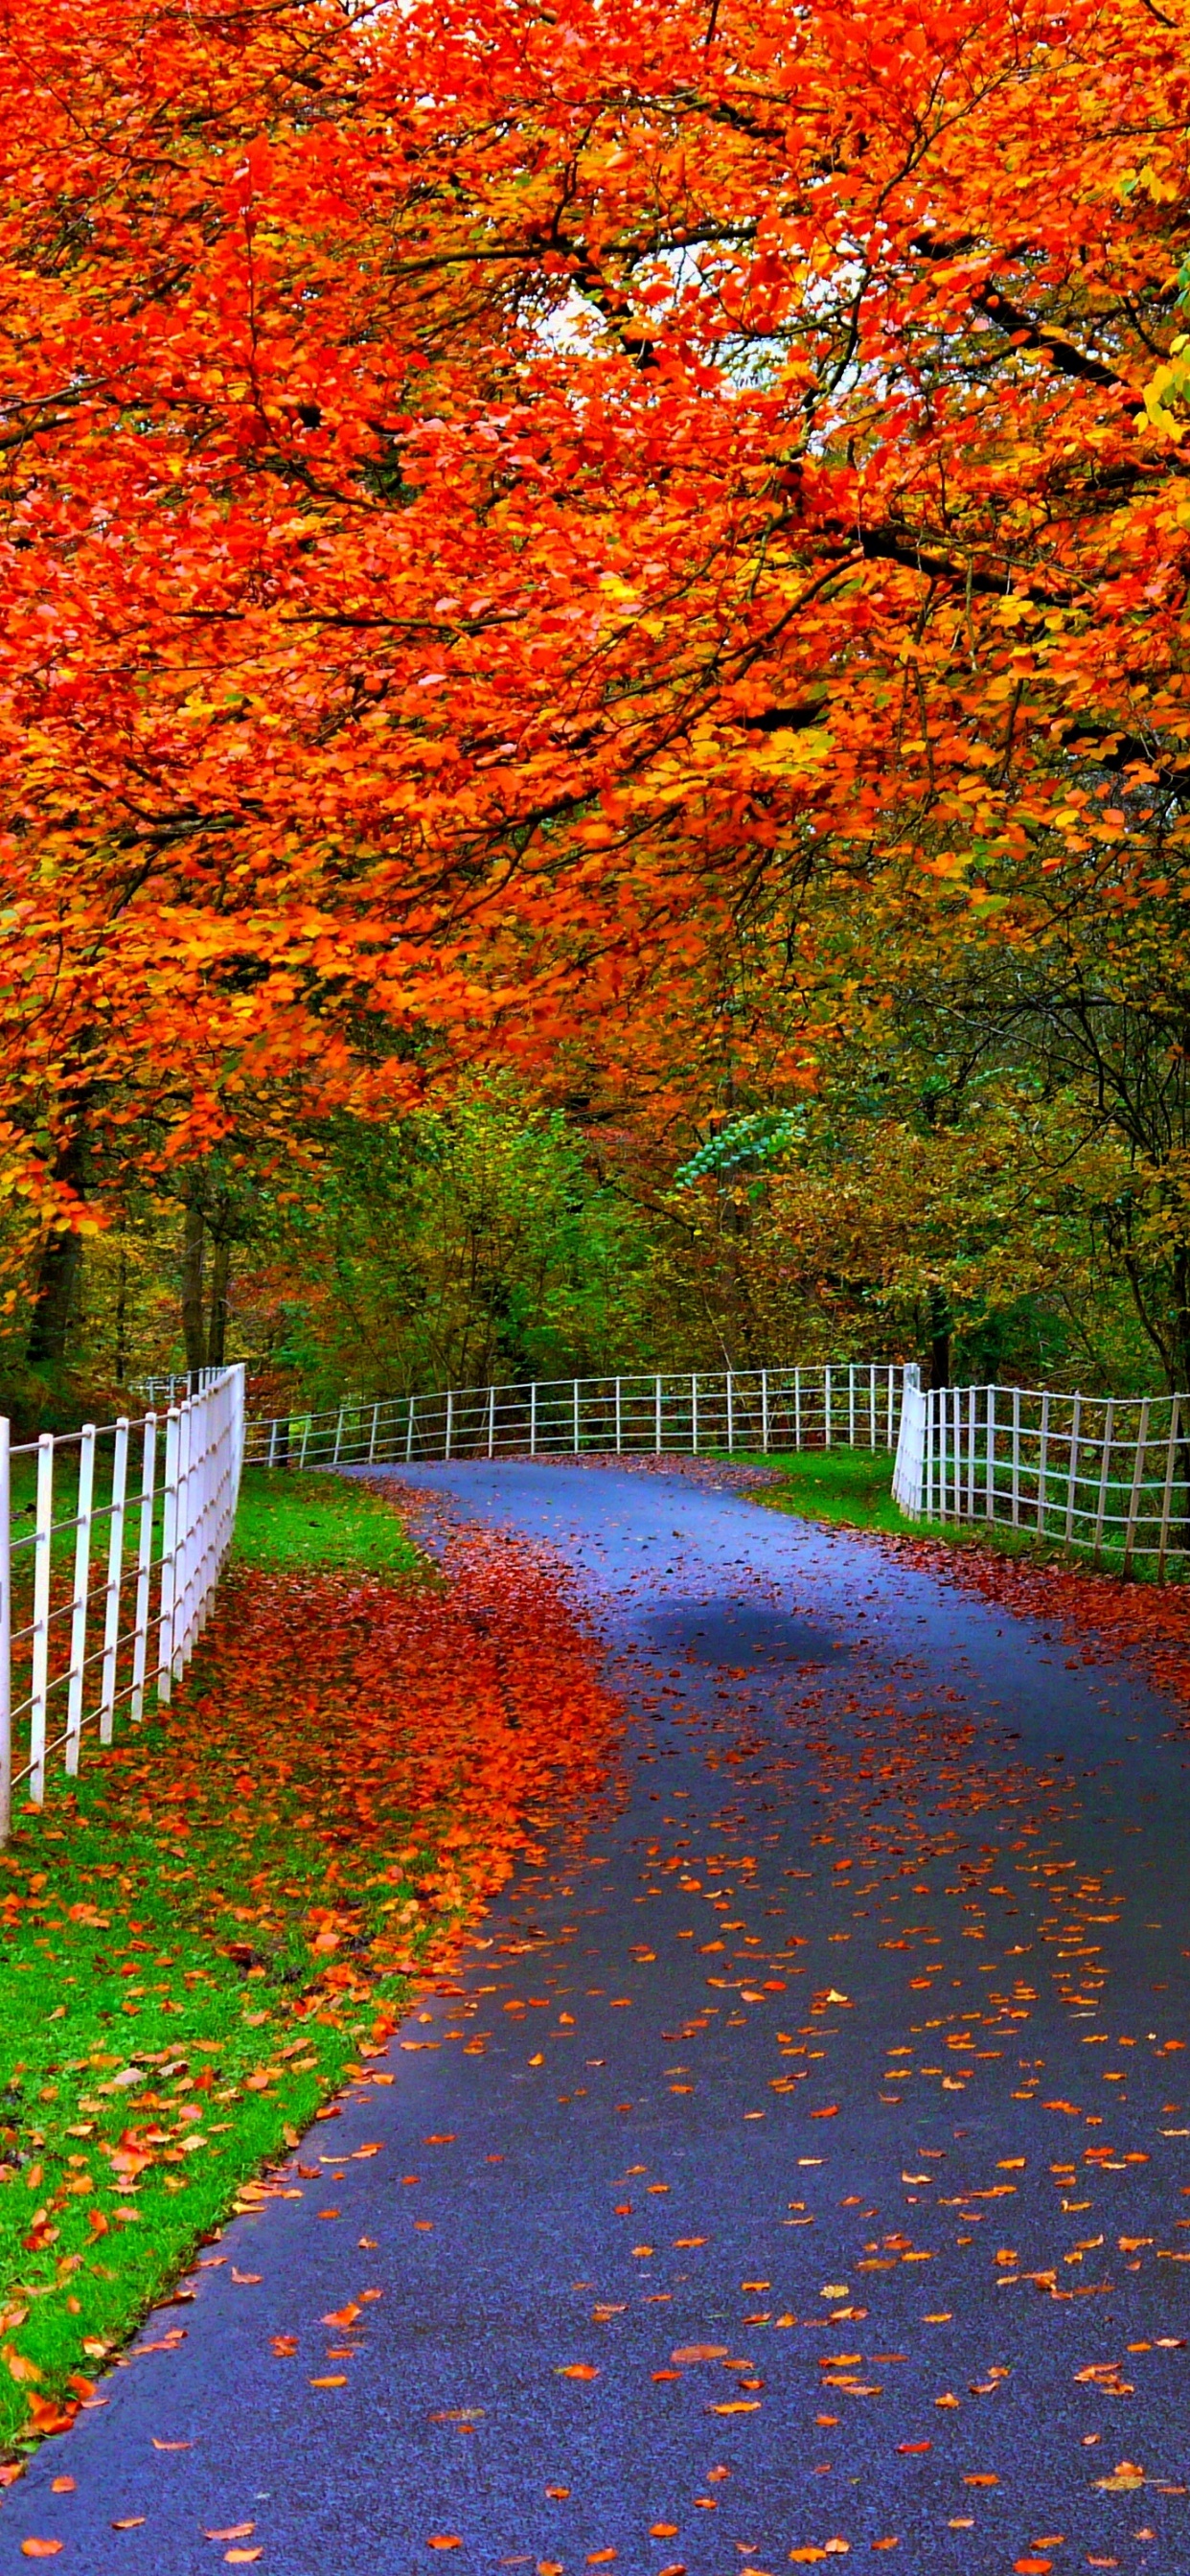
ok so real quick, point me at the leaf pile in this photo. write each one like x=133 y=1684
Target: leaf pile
x=198 y=1937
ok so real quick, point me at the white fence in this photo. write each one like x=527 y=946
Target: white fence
x=1105 y=1474
x=846 y=1405
x=112 y=1540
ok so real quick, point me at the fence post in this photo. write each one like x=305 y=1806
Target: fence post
x=1043 y=1460
x=339 y=1435
x=908 y=1467
x=169 y=1543
x=144 y=1561
x=115 y=1577
x=450 y=1419
x=182 y=1538
x=826 y=1408
x=619 y=1421
x=1109 y=1419
x=872 y=1441
x=409 y=1430
x=991 y=1457
x=851 y=1404
x=657 y=1394
x=274 y=1427
x=491 y=1419
x=5 y=1633
x=1075 y=1427
x=375 y=1428
x=1162 y=1546
x=1016 y=1457
x=576 y=1417
x=533 y=1417
x=889 y=1424
x=694 y=1414
x=39 y=1691
x=730 y=1416
x=764 y=1410
x=972 y=1400
x=1142 y=1442
x=797 y=1408
x=929 y=1454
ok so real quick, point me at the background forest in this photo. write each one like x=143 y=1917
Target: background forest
x=969 y=1206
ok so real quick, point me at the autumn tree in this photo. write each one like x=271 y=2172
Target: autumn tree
x=502 y=516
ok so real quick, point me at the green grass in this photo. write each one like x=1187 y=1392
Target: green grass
x=851 y=1486
x=287 y=1519
x=156 y=1965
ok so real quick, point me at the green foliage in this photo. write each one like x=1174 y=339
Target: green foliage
x=470 y=1243
x=754 y=1141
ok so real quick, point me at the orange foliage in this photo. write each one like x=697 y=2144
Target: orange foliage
x=488 y=496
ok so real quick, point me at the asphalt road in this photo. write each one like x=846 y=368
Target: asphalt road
x=796 y=2167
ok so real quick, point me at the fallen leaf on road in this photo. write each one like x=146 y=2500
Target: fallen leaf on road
x=576 y=2370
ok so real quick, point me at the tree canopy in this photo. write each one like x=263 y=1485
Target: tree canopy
x=618 y=535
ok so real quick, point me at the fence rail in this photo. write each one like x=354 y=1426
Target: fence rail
x=845 y=1405
x=112 y=1540
x=1108 y=1475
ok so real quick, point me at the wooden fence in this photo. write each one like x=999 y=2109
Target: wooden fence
x=112 y=1540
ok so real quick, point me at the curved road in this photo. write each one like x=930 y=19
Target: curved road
x=798 y=2168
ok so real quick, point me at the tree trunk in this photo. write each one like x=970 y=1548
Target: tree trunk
x=193 y=1245
x=220 y=1278
x=121 y=1361
x=55 y=1297
x=939 y=1339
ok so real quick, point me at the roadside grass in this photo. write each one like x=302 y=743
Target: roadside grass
x=850 y=1486
x=289 y=1519
x=853 y=1488
x=175 y=2005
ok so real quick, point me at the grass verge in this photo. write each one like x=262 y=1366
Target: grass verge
x=853 y=1488
x=850 y=1486
x=289 y=1520
x=200 y=1935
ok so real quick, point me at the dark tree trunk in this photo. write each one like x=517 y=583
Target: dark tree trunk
x=939 y=1339
x=193 y=1246
x=55 y=1297
x=121 y=1362
x=220 y=1277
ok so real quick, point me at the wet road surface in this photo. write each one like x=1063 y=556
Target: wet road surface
x=798 y=2165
